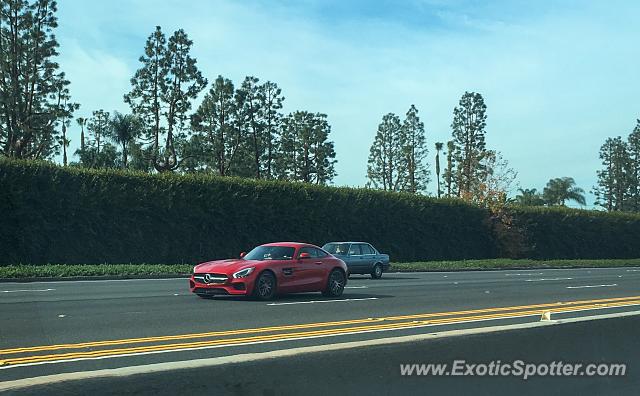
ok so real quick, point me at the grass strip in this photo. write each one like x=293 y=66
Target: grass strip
x=124 y=270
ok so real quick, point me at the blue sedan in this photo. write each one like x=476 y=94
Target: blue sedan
x=360 y=257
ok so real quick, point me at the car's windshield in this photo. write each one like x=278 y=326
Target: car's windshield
x=337 y=248
x=270 y=253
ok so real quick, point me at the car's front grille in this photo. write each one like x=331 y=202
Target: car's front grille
x=209 y=291
x=210 y=278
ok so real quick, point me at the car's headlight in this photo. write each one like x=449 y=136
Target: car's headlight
x=243 y=273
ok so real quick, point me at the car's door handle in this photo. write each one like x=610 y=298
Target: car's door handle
x=318 y=262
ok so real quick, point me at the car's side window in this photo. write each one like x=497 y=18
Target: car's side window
x=312 y=251
x=367 y=249
x=320 y=253
x=354 y=250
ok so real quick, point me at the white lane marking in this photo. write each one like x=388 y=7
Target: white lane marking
x=482 y=329
x=583 y=287
x=61 y=316
x=356 y=287
x=527 y=274
x=27 y=290
x=546 y=279
x=634 y=270
x=325 y=301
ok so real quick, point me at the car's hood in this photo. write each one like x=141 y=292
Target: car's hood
x=224 y=266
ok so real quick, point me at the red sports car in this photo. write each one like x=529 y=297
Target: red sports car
x=274 y=268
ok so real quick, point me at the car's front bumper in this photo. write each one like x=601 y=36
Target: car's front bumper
x=235 y=287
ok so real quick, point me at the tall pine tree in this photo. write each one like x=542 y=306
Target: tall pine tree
x=634 y=168
x=162 y=92
x=34 y=99
x=271 y=101
x=387 y=160
x=305 y=154
x=214 y=126
x=612 y=192
x=469 y=122
x=415 y=152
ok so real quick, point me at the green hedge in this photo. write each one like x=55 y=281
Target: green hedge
x=52 y=214
x=563 y=233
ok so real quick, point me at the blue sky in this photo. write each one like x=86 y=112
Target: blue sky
x=558 y=77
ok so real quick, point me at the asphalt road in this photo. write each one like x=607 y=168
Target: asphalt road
x=110 y=317
x=376 y=370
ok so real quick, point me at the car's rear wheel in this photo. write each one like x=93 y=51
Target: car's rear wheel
x=265 y=287
x=335 y=284
x=376 y=272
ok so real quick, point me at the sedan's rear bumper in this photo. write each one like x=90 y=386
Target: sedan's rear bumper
x=239 y=287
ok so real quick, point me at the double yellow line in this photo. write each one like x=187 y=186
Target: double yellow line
x=287 y=332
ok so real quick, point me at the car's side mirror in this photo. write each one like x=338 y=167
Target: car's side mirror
x=304 y=255
x=243 y=254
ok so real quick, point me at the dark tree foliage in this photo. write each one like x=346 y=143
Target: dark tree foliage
x=613 y=187
x=449 y=175
x=562 y=189
x=469 y=122
x=387 y=167
x=162 y=92
x=618 y=187
x=529 y=197
x=35 y=104
x=415 y=152
x=304 y=152
x=124 y=130
x=216 y=136
x=439 y=146
x=634 y=168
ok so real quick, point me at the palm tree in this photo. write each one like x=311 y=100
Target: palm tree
x=529 y=197
x=124 y=129
x=448 y=173
x=562 y=189
x=65 y=143
x=81 y=121
x=438 y=149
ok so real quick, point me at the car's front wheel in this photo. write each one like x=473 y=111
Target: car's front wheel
x=335 y=285
x=376 y=272
x=265 y=287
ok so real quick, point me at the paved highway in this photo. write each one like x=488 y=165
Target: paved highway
x=70 y=326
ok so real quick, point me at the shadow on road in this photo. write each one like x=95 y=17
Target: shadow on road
x=298 y=297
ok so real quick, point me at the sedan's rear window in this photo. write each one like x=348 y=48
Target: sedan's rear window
x=262 y=253
x=367 y=249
